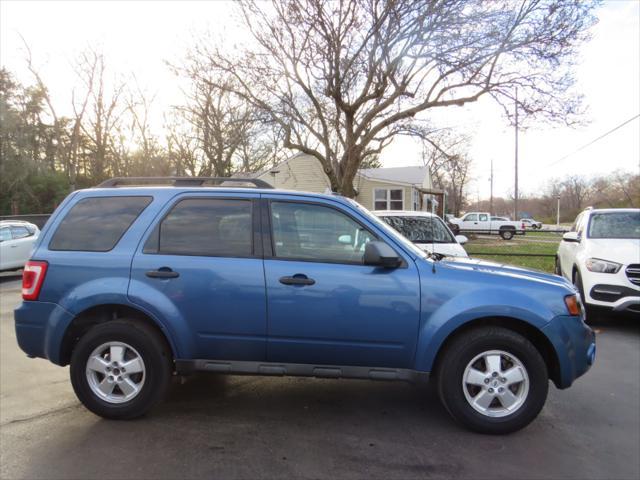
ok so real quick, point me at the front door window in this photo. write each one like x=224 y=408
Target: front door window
x=316 y=233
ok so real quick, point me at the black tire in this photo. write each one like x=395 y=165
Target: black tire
x=463 y=349
x=507 y=234
x=558 y=268
x=590 y=312
x=577 y=282
x=153 y=351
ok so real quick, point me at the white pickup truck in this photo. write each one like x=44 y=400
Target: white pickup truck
x=480 y=222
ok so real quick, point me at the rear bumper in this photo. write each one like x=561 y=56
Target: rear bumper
x=575 y=346
x=38 y=326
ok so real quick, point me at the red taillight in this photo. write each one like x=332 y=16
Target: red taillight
x=32 y=279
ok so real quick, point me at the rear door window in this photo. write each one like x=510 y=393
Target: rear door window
x=19 y=232
x=5 y=234
x=97 y=224
x=216 y=227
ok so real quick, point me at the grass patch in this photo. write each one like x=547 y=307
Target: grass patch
x=545 y=264
x=483 y=247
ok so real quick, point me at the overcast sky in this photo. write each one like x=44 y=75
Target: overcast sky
x=138 y=37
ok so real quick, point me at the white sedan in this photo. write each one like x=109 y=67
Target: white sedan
x=426 y=230
x=16 y=242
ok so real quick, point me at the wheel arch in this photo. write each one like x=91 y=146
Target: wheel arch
x=97 y=314
x=530 y=332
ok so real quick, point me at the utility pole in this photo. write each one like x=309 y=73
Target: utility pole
x=558 y=213
x=515 y=203
x=491 y=184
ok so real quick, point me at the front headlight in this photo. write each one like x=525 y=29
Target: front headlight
x=602 y=266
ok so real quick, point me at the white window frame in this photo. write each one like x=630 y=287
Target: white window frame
x=388 y=197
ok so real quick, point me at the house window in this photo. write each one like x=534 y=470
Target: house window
x=388 y=199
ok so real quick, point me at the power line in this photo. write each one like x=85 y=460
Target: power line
x=594 y=141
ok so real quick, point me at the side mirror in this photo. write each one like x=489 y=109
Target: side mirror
x=379 y=254
x=345 y=239
x=461 y=239
x=571 y=237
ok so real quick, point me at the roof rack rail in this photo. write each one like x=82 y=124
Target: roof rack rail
x=182 y=181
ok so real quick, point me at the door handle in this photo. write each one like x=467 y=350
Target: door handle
x=297 y=279
x=163 y=272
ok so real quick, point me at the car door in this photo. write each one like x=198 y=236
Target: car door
x=470 y=222
x=200 y=270
x=21 y=244
x=567 y=251
x=325 y=307
x=6 y=249
x=484 y=222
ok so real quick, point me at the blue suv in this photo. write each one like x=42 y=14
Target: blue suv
x=140 y=279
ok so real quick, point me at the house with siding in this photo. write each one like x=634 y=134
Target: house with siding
x=398 y=188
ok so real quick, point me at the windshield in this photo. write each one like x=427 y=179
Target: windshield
x=421 y=229
x=614 y=225
x=390 y=231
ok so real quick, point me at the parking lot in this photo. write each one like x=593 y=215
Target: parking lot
x=257 y=427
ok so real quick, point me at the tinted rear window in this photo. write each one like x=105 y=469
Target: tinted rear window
x=97 y=224
x=205 y=227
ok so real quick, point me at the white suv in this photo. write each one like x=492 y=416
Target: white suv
x=601 y=256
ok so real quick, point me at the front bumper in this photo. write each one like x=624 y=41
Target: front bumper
x=575 y=346
x=619 y=298
x=40 y=327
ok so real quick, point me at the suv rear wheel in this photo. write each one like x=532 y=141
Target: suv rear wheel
x=492 y=380
x=120 y=369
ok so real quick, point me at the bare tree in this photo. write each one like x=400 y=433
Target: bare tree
x=575 y=191
x=342 y=78
x=445 y=155
x=182 y=146
x=232 y=134
x=56 y=141
x=86 y=68
x=99 y=113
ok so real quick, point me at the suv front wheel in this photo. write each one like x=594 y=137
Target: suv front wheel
x=120 y=369
x=492 y=380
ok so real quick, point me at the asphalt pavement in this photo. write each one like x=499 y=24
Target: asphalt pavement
x=264 y=427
